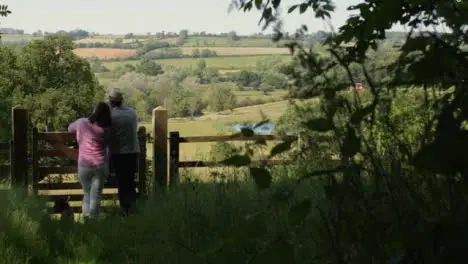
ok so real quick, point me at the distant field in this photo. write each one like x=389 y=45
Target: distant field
x=256 y=95
x=109 y=53
x=192 y=41
x=222 y=63
x=104 y=53
x=235 y=51
x=109 y=40
x=225 y=42
x=13 y=38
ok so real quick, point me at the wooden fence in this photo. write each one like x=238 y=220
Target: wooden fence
x=166 y=162
x=174 y=149
x=5 y=150
x=52 y=145
x=48 y=146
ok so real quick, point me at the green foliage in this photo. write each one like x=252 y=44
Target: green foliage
x=96 y=65
x=247 y=78
x=262 y=177
x=203 y=53
x=49 y=79
x=233 y=36
x=164 y=53
x=184 y=102
x=149 y=67
x=399 y=151
x=274 y=80
x=151 y=45
x=237 y=161
x=220 y=97
x=222 y=150
x=298 y=213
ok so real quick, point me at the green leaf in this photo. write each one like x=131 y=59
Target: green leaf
x=278 y=252
x=258 y=4
x=299 y=212
x=319 y=125
x=292 y=8
x=281 y=148
x=254 y=226
x=429 y=158
x=237 y=161
x=276 y=3
x=359 y=114
x=262 y=177
x=248 y=6
x=351 y=144
x=303 y=8
x=247 y=132
x=283 y=195
x=261 y=123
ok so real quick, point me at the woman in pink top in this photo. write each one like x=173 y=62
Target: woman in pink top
x=93 y=136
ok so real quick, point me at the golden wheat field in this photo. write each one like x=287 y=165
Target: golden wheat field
x=104 y=53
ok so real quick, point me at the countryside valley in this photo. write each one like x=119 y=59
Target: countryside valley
x=353 y=136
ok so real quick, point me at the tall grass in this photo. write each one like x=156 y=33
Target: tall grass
x=173 y=226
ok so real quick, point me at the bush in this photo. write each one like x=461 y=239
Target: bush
x=152 y=45
x=165 y=53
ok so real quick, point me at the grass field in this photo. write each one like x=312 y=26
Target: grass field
x=236 y=51
x=106 y=39
x=225 y=42
x=221 y=63
x=110 y=53
x=256 y=95
x=104 y=53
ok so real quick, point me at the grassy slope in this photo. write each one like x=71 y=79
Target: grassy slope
x=239 y=51
x=241 y=62
x=225 y=42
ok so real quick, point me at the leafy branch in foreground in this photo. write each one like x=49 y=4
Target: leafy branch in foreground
x=390 y=184
x=4 y=10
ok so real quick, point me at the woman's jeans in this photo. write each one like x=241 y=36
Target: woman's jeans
x=92 y=180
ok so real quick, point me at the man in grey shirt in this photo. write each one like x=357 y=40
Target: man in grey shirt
x=124 y=149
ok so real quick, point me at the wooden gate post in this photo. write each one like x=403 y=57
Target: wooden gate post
x=142 y=162
x=19 y=159
x=174 y=142
x=159 y=164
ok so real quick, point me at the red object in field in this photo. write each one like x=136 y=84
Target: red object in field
x=359 y=86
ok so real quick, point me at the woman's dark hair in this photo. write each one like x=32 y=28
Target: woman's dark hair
x=101 y=115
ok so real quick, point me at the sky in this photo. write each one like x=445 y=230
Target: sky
x=142 y=16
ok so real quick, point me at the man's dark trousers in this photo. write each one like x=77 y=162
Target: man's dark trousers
x=125 y=166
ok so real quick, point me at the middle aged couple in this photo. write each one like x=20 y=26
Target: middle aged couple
x=108 y=135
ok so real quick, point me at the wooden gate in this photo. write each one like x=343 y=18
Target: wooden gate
x=5 y=155
x=48 y=178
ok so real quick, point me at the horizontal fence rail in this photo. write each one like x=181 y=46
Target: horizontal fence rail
x=200 y=139
x=174 y=151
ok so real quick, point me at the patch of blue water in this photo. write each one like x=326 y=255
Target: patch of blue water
x=266 y=128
